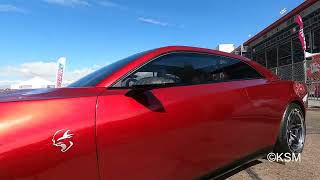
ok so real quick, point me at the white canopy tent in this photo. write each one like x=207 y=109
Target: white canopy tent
x=34 y=83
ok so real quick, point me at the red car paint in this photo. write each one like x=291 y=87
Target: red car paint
x=188 y=132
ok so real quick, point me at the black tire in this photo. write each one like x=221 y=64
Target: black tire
x=289 y=141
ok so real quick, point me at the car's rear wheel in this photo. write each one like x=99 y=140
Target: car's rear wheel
x=291 y=138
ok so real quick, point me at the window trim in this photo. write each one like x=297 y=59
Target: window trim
x=134 y=70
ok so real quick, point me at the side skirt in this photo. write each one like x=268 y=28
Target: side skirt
x=237 y=164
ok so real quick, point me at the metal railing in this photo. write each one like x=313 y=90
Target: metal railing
x=299 y=72
x=314 y=93
x=295 y=71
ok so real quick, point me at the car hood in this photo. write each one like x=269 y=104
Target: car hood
x=44 y=94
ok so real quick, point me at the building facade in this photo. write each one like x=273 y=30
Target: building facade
x=278 y=48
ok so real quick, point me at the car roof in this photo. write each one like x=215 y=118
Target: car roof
x=168 y=49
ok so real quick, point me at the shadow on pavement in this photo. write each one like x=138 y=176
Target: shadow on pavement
x=245 y=167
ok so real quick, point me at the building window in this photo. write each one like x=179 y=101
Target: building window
x=285 y=54
x=298 y=55
x=272 y=57
x=316 y=41
x=261 y=58
x=308 y=44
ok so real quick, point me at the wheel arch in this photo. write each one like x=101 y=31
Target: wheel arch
x=301 y=106
x=279 y=145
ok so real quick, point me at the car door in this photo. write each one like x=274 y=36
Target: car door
x=193 y=122
x=268 y=100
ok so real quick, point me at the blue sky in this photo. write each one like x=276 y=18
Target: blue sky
x=91 y=33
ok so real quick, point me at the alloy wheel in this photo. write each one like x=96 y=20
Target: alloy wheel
x=295 y=131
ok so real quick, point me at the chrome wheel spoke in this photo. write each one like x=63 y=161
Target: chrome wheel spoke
x=295 y=130
x=291 y=138
x=295 y=126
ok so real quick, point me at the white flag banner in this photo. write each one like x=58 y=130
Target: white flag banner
x=313 y=55
x=60 y=71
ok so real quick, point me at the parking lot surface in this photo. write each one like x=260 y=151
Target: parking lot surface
x=308 y=168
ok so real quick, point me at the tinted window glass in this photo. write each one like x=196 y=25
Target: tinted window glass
x=187 y=69
x=95 y=77
x=236 y=70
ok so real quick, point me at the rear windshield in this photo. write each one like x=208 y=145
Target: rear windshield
x=92 y=79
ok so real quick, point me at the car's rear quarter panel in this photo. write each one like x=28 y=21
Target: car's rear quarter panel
x=269 y=101
x=26 y=130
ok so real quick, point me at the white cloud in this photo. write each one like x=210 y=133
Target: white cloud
x=152 y=21
x=68 y=2
x=107 y=3
x=10 y=8
x=6 y=83
x=46 y=70
x=71 y=76
x=113 y=5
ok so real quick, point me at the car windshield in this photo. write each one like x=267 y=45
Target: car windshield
x=97 y=76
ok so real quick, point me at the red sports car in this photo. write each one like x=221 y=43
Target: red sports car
x=172 y=113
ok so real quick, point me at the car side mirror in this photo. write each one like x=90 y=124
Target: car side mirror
x=138 y=90
x=147 y=84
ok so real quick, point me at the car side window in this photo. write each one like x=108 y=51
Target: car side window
x=237 y=70
x=183 y=68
